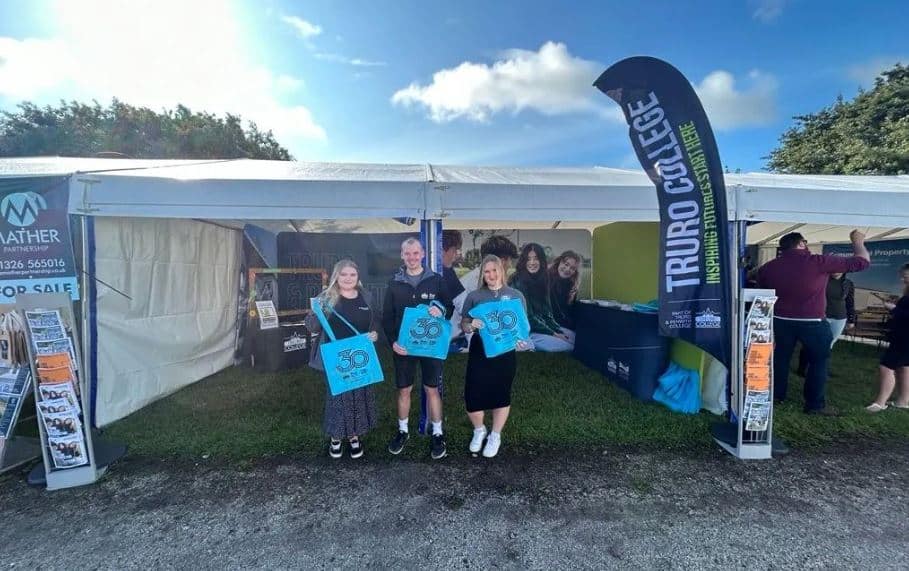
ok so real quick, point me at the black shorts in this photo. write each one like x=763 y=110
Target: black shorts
x=896 y=356
x=405 y=367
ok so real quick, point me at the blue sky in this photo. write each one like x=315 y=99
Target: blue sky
x=481 y=83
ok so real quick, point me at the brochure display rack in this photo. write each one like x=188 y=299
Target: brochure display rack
x=60 y=391
x=750 y=434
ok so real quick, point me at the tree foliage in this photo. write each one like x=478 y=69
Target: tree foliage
x=867 y=135
x=79 y=130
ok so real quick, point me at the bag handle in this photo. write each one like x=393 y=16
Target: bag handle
x=317 y=309
x=437 y=303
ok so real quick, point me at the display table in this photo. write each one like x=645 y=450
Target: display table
x=623 y=345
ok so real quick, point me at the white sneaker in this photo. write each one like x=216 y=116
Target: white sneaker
x=492 y=445
x=476 y=443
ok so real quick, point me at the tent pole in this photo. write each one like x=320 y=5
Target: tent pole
x=86 y=301
x=430 y=231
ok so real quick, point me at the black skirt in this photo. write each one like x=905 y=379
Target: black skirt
x=488 y=382
x=897 y=355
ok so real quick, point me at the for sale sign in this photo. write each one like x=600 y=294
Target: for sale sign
x=36 y=250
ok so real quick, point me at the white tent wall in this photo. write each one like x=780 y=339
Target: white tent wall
x=180 y=324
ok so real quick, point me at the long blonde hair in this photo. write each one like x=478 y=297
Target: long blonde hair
x=491 y=258
x=329 y=296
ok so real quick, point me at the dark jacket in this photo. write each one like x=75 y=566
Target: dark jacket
x=841 y=299
x=400 y=295
x=559 y=292
x=539 y=308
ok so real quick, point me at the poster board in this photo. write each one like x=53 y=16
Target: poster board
x=289 y=288
x=15 y=390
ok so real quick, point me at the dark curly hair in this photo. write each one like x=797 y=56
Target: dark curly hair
x=498 y=246
x=537 y=285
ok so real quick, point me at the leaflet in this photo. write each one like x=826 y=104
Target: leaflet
x=14 y=381
x=55 y=360
x=56 y=376
x=268 y=315
x=758 y=416
x=61 y=424
x=54 y=406
x=9 y=412
x=68 y=452
x=60 y=391
x=43 y=348
x=43 y=318
x=49 y=333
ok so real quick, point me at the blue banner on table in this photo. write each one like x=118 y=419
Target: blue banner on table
x=674 y=144
x=505 y=323
x=36 y=250
x=424 y=335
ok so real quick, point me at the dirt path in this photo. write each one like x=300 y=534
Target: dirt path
x=612 y=509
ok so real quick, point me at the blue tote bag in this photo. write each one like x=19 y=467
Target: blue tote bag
x=349 y=363
x=679 y=389
x=424 y=335
x=505 y=324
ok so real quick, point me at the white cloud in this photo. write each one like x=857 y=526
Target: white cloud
x=32 y=65
x=767 y=11
x=865 y=73
x=729 y=107
x=357 y=62
x=550 y=81
x=305 y=29
x=142 y=54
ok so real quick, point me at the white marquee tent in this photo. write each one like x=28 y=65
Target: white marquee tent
x=166 y=234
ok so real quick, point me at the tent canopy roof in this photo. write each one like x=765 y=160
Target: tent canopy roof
x=245 y=190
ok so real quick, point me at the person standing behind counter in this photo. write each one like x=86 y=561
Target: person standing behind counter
x=488 y=382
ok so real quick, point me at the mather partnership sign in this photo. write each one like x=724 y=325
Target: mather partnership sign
x=36 y=251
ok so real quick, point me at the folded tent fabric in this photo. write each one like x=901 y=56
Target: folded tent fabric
x=679 y=389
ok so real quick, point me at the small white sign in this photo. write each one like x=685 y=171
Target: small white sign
x=268 y=316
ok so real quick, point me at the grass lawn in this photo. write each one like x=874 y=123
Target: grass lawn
x=241 y=415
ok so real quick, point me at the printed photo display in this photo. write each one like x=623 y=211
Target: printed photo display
x=58 y=396
x=758 y=370
x=67 y=452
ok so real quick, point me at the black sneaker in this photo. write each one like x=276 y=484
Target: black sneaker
x=437 y=447
x=356 y=448
x=397 y=443
x=334 y=449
